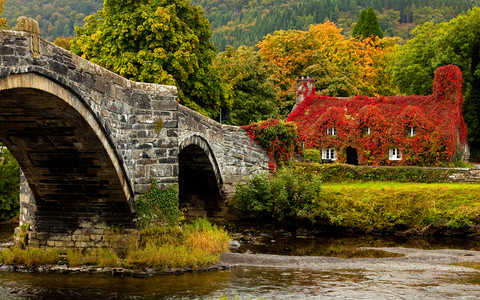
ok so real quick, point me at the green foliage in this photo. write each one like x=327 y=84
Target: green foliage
x=298 y=194
x=283 y=198
x=245 y=22
x=367 y=25
x=456 y=42
x=9 y=185
x=350 y=173
x=248 y=78
x=157 y=41
x=55 y=17
x=313 y=155
x=387 y=206
x=63 y=42
x=158 y=206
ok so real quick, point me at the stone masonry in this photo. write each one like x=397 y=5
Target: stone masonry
x=88 y=143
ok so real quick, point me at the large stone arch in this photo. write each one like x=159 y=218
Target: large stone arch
x=200 y=179
x=71 y=165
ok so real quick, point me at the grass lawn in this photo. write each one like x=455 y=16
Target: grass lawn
x=387 y=205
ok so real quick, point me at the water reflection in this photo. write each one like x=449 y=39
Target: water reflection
x=320 y=246
x=247 y=283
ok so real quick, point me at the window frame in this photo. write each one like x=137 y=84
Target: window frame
x=411 y=131
x=329 y=154
x=394 y=154
x=366 y=130
x=332 y=131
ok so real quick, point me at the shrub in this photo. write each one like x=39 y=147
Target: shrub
x=350 y=173
x=313 y=155
x=158 y=206
x=282 y=198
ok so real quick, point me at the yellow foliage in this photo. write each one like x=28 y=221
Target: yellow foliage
x=342 y=67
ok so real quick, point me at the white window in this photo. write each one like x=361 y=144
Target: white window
x=394 y=154
x=366 y=130
x=329 y=154
x=331 y=131
x=411 y=131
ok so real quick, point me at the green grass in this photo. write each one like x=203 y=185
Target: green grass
x=386 y=205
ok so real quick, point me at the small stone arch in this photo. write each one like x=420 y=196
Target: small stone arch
x=200 y=179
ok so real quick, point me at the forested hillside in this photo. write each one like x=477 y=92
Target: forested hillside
x=245 y=22
x=56 y=17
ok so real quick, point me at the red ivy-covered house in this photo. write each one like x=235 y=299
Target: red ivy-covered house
x=397 y=130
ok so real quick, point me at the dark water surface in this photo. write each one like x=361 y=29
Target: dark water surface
x=319 y=246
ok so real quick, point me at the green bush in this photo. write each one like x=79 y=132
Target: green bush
x=9 y=185
x=350 y=173
x=313 y=155
x=158 y=206
x=282 y=198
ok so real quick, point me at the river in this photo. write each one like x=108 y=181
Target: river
x=423 y=274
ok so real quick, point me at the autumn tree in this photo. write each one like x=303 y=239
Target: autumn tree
x=248 y=78
x=158 y=41
x=456 y=42
x=63 y=42
x=367 y=25
x=341 y=67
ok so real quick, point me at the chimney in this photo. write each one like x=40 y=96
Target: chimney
x=305 y=88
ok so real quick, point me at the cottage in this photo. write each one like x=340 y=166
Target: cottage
x=394 y=130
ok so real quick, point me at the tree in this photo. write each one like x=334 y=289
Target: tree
x=456 y=42
x=63 y=42
x=157 y=41
x=367 y=25
x=248 y=77
x=341 y=67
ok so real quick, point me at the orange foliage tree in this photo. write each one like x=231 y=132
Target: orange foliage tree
x=341 y=66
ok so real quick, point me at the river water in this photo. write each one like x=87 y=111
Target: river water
x=423 y=274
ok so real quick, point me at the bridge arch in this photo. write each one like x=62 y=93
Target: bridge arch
x=200 y=179
x=72 y=168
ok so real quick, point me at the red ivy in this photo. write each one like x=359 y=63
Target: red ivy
x=277 y=137
x=437 y=119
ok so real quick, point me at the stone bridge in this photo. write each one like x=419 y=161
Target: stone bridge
x=89 y=142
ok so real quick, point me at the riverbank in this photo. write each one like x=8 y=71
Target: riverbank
x=113 y=271
x=319 y=198
x=172 y=249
